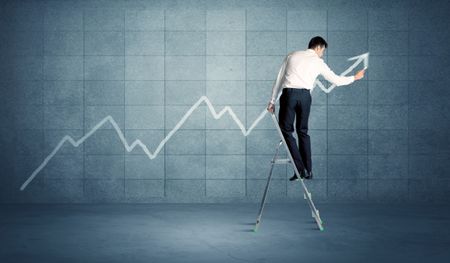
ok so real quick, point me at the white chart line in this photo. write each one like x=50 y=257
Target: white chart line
x=361 y=58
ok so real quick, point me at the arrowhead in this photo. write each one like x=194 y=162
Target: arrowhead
x=364 y=57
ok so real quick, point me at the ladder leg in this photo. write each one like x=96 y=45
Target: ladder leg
x=263 y=201
x=314 y=211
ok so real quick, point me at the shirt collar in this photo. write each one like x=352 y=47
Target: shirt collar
x=312 y=51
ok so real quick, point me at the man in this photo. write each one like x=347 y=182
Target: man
x=297 y=76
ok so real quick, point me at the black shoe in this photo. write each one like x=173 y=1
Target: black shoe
x=295 y=177
x=309 y=175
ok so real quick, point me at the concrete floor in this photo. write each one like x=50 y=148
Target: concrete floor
x=223 y=233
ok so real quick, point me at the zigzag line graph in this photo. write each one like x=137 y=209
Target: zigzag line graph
x=217 y=115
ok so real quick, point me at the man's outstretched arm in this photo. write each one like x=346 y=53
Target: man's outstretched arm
x=337 y=80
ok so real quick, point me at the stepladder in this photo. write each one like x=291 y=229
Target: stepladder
x=289 y=161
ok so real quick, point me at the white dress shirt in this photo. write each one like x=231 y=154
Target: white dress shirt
x=300 y=70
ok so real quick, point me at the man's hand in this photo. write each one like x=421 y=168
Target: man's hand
x=271 y=107
x=359 y=74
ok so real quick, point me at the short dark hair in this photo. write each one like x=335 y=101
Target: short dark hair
x=317 y=41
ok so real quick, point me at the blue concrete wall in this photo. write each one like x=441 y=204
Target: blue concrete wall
x=66 y=65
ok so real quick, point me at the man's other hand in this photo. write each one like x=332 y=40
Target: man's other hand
x=359 y=74
x=271 y=107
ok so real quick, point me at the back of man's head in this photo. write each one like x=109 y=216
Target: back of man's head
x=317 y=41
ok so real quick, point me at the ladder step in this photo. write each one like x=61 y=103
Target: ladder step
x=304 y=195
x=281 y=161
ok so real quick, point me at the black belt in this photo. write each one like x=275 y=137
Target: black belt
x=296 y=88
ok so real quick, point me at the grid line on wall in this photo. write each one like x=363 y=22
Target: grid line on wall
x=84 y=104
x=205 y=93
x=367 y=112
x=124 y=107
x=245 y=101
x=407 y=107
x=165 y=103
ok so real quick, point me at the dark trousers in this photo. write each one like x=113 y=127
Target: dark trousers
x=296 y=102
